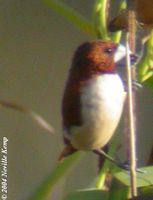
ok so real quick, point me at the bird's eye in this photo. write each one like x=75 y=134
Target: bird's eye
x=108 y=50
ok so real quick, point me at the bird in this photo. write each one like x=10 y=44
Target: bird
x=144 y=15
x=93 y=98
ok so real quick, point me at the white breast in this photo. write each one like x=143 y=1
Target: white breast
x=102 y=103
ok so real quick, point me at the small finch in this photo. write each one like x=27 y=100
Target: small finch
x=93 y=98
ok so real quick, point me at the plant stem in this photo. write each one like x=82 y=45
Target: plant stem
x=131 y=75
x=131 y=123
x=100 y=18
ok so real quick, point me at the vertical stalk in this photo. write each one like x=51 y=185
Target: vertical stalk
x=131 y=75
x=131 y=124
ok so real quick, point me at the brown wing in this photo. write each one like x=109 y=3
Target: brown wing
x=71 y=104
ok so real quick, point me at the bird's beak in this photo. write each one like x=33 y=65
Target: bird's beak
x=120 y=56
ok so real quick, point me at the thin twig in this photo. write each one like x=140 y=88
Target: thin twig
x=35 y=116
x=131 y=123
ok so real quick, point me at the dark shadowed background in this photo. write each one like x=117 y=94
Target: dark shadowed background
x=36 y=47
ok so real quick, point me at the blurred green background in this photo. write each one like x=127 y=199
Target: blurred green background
x=36 y=47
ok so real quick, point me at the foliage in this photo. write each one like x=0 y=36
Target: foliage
x=120 y=185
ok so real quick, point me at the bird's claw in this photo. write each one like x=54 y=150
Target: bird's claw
x=135 y=84
x=126 y=166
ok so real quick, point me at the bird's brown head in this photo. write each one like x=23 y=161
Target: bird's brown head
x=95 y=57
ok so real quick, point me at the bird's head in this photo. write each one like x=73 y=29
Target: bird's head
x=97 y=57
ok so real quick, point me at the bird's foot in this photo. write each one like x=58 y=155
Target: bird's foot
x=135 y=85
x=124 y=166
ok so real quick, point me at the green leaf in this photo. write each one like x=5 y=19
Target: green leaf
x=120 y=186
x=88 y=194
x=53 y=178
x=99 y=18
x=143 y=197
x=149 y=82
x=145 y=65
x=76 y=18
x=144 y=178
x=118 y=191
